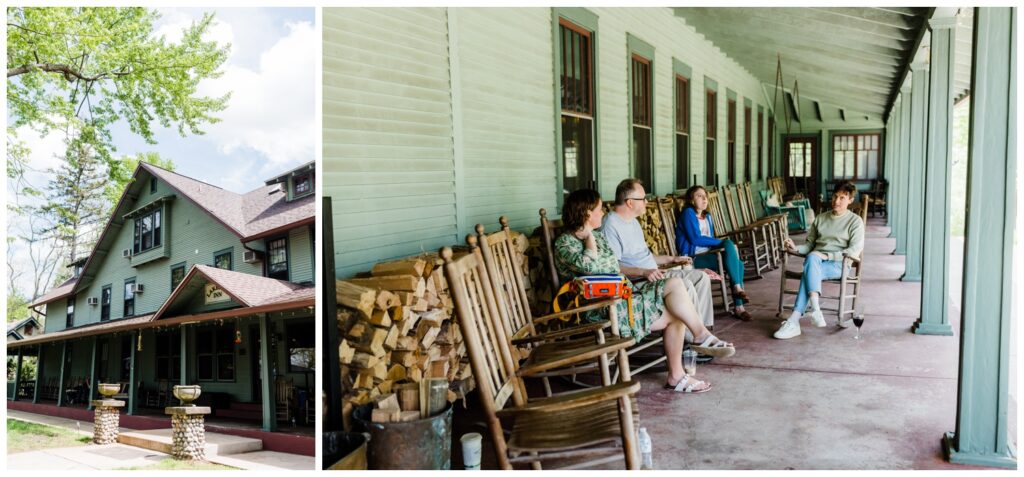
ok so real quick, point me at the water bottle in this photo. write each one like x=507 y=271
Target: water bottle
x=646 y=449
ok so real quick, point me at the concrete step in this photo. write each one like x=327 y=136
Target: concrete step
x=216 y=444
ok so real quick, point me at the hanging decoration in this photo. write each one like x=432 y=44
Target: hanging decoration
x=138 y=347
x=238 y=336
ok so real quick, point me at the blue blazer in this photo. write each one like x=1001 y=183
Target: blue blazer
x=688 y=236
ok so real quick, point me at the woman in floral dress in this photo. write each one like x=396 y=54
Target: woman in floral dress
x=661 y=305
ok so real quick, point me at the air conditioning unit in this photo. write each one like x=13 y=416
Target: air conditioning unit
x=250 y=256
x=93 y=301
x=126 y=253
x=138 y=288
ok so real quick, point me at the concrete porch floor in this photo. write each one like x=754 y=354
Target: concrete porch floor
x=821 y=400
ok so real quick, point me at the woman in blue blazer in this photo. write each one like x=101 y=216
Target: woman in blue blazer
x=695 y=234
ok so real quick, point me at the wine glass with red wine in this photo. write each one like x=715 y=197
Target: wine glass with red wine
x=858 y=321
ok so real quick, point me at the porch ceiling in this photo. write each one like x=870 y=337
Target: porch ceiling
x=849 y=58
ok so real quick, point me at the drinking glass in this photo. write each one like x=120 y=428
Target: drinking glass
x=858 y=321
x=690 y=362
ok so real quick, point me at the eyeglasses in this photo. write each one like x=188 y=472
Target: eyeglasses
x=637 y=198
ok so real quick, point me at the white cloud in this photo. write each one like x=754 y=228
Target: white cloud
x=271 y=110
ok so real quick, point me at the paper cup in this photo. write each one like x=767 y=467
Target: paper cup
x=471 y=449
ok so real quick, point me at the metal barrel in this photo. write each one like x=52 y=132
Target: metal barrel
x=423 y=444
x=345 y=450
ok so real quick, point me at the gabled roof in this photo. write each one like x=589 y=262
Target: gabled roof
x=256 y=214
x=250 y=215
x=13 y=327
x=60 y=291
x=245 y=289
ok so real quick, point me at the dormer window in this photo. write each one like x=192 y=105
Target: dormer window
x=147 y=232
x=302 y=185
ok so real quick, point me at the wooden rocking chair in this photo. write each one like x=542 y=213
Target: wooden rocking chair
x=669 y=209
x=596 y=423
x=851 y=275
x=549 y=231
x=285 y=395
x=751 y=243
x=501 y=259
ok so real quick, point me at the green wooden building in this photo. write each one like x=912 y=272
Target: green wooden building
x=188 y=284
x=436 y=119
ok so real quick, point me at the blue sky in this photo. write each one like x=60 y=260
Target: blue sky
x=267 y=128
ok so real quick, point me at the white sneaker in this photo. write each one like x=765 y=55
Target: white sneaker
x=788 y=330
x=817 y=318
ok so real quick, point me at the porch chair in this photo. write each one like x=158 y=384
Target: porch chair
x=878 y=188
x=796 y=215
x=751 y=242
x=772 y=223
x=501 y=261
x=549 y=234
x=851 y=275
x=669 y=209
x=285 y=395
x=596 y=423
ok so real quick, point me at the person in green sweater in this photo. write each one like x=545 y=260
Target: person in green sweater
x=830 y=237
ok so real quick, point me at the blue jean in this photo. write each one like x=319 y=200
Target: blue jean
x=815 y=270
x=731 y=261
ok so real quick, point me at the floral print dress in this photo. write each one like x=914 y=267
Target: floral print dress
x=573 y=259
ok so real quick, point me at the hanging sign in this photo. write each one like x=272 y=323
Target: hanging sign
x=214 y=294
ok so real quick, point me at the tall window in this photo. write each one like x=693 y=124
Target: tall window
x=177 y=275
x=855 y=156
x=168 y=355
x=760 y=146
x=147 y=231
x=577 y=106
x=710 y=132
x=129 y=297
x=731 y=142
x=747 y=174
x=801 y=153
x=105 y=303
x=641 y=96
x=215 y=354
x=682 y=132
x=277 y=258
x=771 y=142
x=222 y=259
x=71 y=312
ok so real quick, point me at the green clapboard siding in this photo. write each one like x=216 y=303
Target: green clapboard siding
x=190 y=236
x=437 y=119
x=387 y=139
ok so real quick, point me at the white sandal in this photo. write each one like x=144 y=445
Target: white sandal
x=689 y=385
x=712 y=346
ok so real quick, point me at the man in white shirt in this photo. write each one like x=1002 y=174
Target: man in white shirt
x=626 y=238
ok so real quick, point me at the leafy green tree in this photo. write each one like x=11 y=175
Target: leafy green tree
x=120 y=173
x=87 y=68
x=17 y=305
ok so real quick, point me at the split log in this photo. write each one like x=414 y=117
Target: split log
x=355 y=296
x=407 y=283
x=414 y=266
x=346 y=352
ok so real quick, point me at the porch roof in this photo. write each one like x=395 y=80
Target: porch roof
x=255 y=294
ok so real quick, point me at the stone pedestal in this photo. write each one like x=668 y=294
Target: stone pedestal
x=188 y=435
x=106 y=420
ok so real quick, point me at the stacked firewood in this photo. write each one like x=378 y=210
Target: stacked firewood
x=397 y=326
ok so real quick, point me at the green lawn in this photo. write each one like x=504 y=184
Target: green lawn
x=171 y=464
x=26 y=436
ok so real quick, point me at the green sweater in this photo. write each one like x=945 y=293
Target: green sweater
x=835 y=236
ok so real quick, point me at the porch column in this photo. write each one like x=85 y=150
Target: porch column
x=60 y=380
x=903 y=202
x=893 y=160
x=915 y=177
x=268 y=388
x=184 y=356
x=17 y=374
x=133 y=391
x=887 y=156
x=934 y=318
x=92 y=376
x=981 y=436
x=39 y=373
